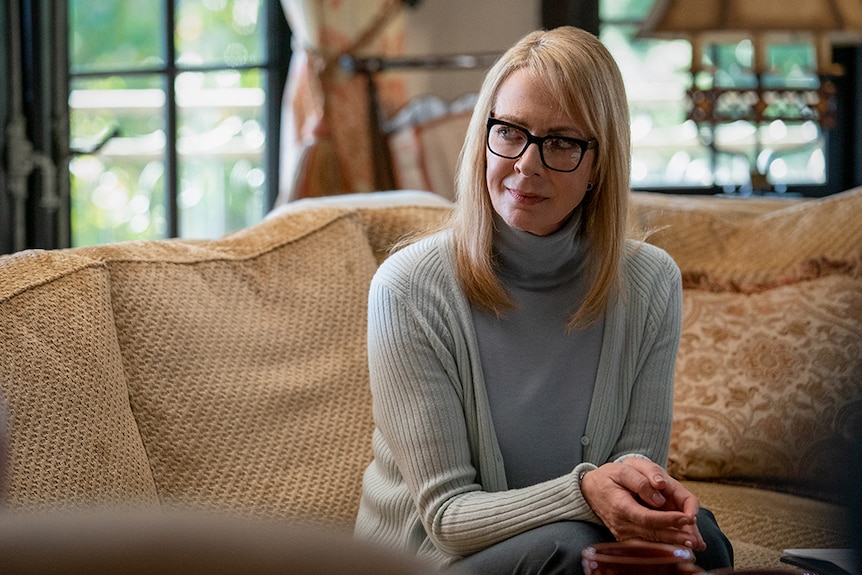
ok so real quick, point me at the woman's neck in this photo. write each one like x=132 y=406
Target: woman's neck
x=539 y=261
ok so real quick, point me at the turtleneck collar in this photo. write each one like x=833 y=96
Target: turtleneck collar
x=539 y=262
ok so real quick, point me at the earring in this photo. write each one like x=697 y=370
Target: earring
x=589 y=186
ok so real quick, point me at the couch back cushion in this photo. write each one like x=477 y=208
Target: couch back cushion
x=388 y=217
x=72 y=438
x=744 y=245
x=247 y=366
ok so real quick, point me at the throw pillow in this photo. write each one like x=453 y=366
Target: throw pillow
x=769 y=384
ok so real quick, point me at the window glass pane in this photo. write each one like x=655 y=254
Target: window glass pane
x=226 y=32
x=794 y=64
x=121 y=191
x=666 y=149
x=115 y=35
x=788 y=152
x=624 y=9
x=221 y=152
x=118 y=193
x=734 y=65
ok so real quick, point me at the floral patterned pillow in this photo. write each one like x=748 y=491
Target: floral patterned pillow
x=769 y=383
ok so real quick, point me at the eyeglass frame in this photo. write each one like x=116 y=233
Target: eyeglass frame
x=584 y=145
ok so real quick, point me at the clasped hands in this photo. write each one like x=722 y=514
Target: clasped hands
x=637 y=499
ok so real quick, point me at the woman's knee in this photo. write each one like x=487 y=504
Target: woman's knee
x=550 y=549
x=719 y=551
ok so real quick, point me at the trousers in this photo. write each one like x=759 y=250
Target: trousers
x=556 y=549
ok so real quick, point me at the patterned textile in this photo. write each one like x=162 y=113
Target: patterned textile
x=424 y=156
x=326 y=141
x=767 y=384
x=740 y=247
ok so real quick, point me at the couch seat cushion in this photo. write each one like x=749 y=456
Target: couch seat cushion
x=761 y=524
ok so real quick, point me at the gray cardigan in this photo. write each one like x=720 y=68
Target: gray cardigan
x=437 y=486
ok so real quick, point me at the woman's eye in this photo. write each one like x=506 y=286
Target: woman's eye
x=507 y=133
x=559 y=144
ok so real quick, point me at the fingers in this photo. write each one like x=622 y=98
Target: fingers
x=654 y=473
x=677 y=497
x=645 y=479
x=637 y=499
x=671 y=527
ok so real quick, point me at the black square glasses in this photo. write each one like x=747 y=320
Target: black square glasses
x=558 y=153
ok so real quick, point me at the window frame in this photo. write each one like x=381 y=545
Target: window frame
x=43 y=219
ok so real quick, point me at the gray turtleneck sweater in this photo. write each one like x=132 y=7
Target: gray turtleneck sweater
x=539 y=376
x=439 y=482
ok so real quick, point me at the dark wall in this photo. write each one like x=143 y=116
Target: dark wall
x=571 y=12
x=5 y=204
x=848 y=130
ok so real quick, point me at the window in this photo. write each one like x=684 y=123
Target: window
x=173 y=116
x=672 y=152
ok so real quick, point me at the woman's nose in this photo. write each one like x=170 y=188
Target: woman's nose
x=530 y=161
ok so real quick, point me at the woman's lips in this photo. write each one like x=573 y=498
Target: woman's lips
x=524 y=198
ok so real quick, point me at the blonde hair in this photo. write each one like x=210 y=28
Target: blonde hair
x=580 y=72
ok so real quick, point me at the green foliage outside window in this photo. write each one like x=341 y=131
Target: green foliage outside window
x=120 y=70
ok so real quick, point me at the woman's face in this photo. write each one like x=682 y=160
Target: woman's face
x=527 y=194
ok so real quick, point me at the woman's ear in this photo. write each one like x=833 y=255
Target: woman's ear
x=594 y=178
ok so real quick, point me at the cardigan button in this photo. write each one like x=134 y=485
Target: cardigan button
x=585 y=440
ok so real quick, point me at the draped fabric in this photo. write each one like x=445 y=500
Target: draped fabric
x=326 y=140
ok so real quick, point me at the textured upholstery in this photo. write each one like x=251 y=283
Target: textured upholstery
x=246 y=365
x=74 y=440
x=762 y=523
x=231 y=374
x=741 y=246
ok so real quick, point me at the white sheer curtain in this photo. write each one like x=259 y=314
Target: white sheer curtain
x=325 y=136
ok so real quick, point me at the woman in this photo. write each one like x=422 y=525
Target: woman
x=522 y=359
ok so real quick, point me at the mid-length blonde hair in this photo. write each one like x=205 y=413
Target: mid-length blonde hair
x=576 y=68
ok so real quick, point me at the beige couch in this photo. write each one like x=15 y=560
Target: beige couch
x=230 y=375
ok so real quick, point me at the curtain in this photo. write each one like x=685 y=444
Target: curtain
x=326 y=139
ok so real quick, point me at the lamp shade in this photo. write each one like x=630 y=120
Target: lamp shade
x=826 y=22
x=687 y=18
